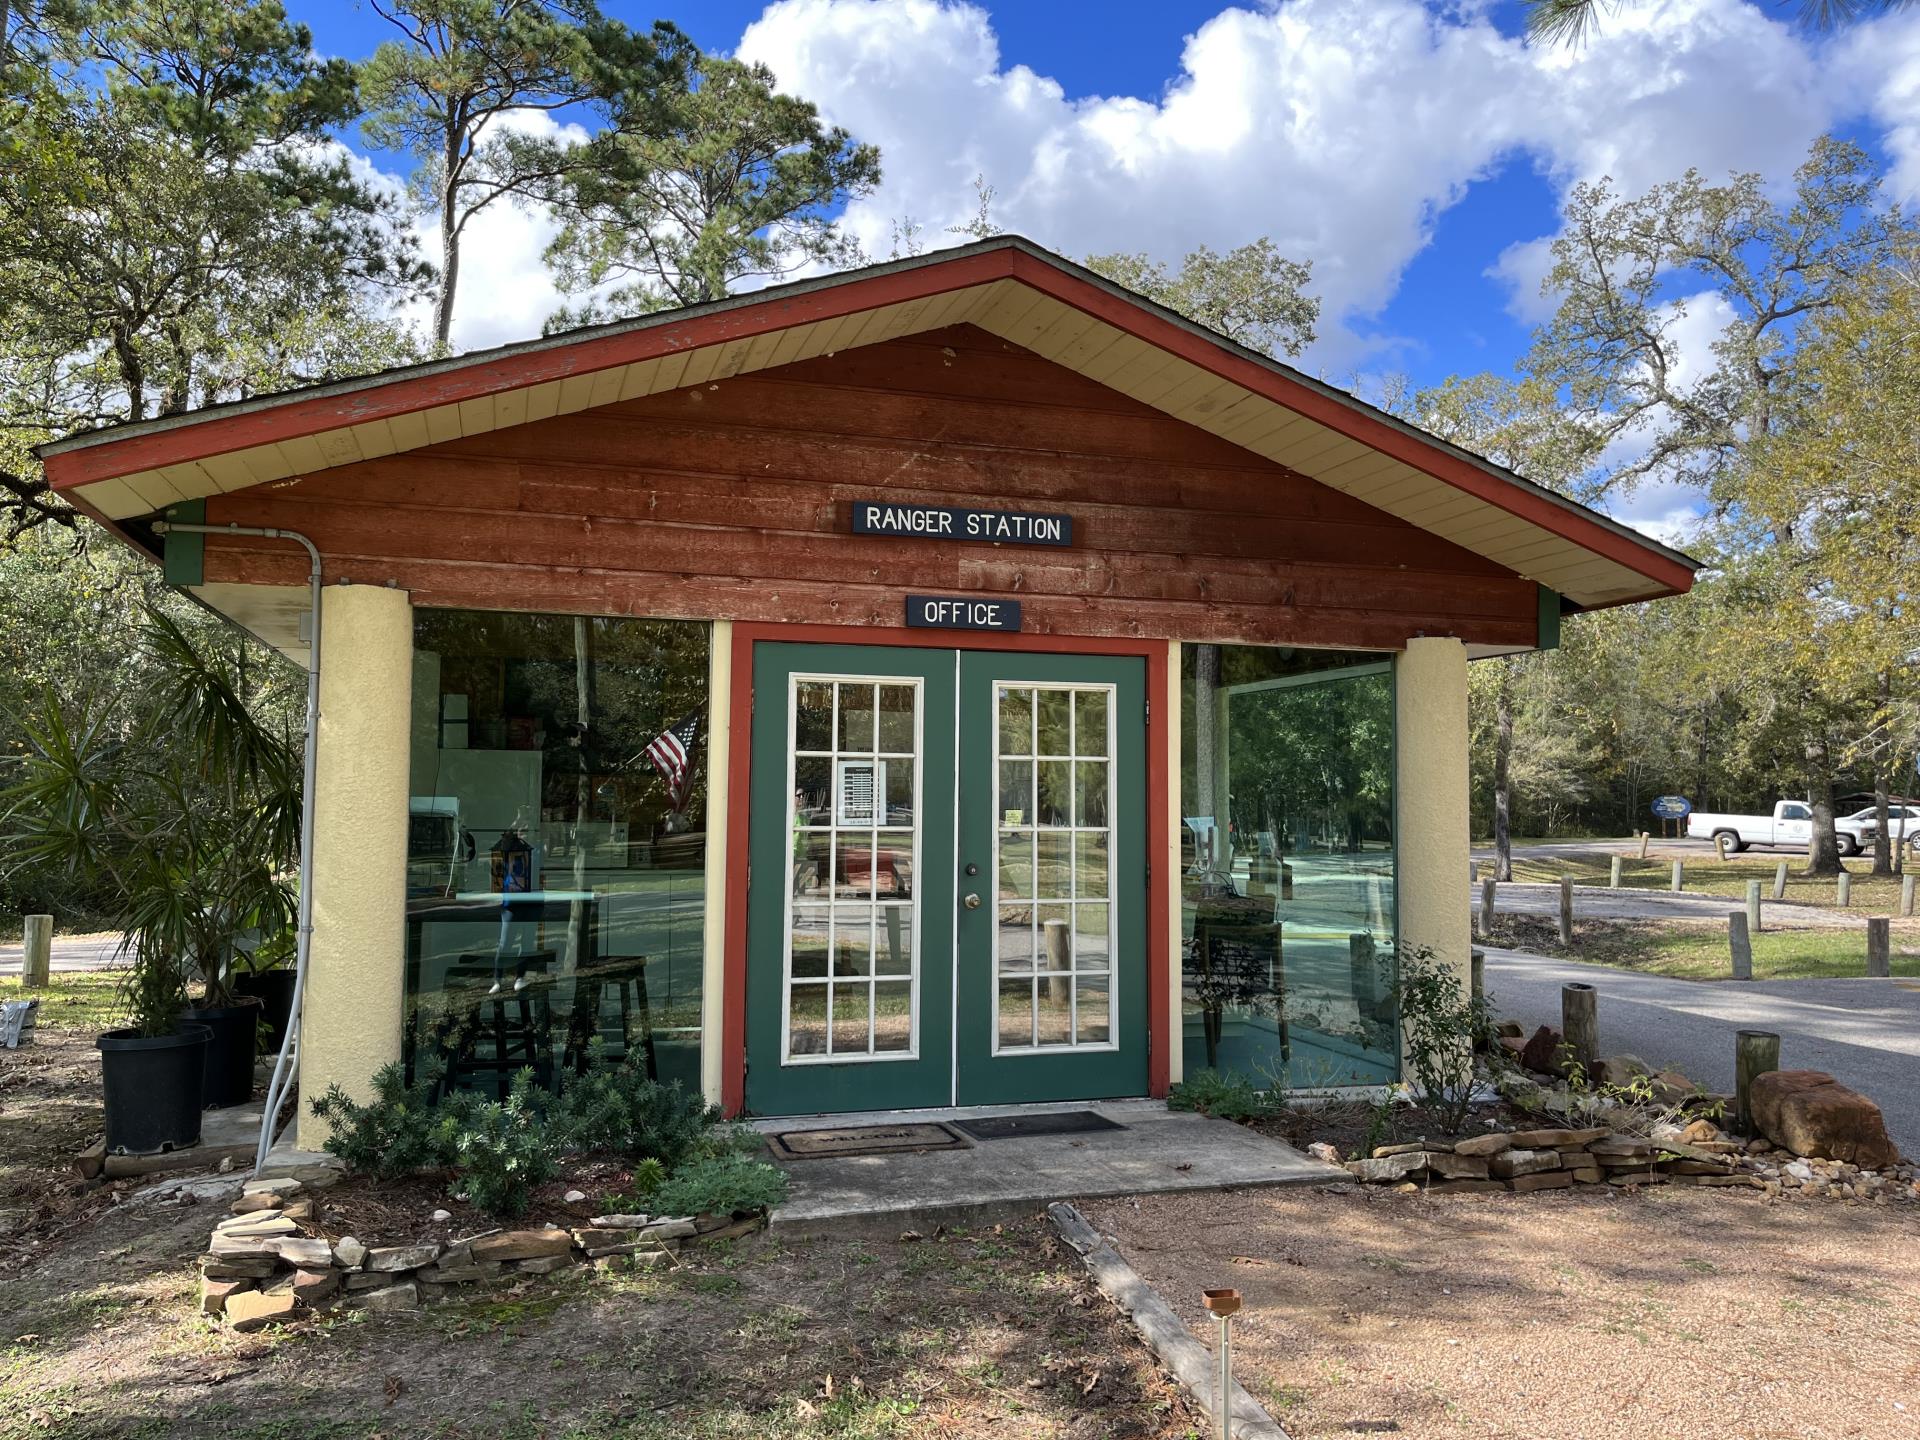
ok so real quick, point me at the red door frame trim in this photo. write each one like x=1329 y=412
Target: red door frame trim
x=733 y=1005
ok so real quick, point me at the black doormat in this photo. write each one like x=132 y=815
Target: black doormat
x=846 y=1140
x=1051 y=1122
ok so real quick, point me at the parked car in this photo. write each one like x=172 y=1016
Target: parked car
x=1869 y=822
x=1790 y=825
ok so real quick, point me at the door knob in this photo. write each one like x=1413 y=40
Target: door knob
x=973 y=902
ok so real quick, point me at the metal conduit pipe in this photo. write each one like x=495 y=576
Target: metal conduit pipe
x=303 y=933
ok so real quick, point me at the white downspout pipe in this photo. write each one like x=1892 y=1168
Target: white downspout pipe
x=303 y=931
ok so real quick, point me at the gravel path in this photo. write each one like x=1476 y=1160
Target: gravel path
x=1865 y=1033
x=1575 y=1315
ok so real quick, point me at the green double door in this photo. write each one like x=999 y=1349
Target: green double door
x=947 y=893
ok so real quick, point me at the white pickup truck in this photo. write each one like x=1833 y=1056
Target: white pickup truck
x=1791 y=824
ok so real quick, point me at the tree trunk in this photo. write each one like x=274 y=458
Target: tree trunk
x=1503 y=774
x=1823 y=846
x=449 y=267
x=1882 y=786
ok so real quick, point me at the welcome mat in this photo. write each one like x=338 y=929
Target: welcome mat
x=864 y=1140
x=1050 y=1122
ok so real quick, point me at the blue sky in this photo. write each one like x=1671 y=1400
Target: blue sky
x=1415 y=151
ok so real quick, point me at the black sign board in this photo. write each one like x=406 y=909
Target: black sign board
x=946 y=522
x=962 y=612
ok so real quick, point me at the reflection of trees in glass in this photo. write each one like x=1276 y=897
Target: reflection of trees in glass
x=1313 y=763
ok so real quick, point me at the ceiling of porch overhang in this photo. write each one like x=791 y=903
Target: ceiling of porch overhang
x=1005 y=286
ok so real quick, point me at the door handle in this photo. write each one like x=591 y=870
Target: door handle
x=972 y=902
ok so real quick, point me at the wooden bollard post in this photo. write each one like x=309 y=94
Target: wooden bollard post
x=1906 y=895
x=1580 y=1023
x=1613 y=872
x=1679 y=875
x=1720 y=846
x=1753 y=906
x=1843 y=890
x=37 y=968
x=1286 y=881
x=1879 y=948
x=1740 y=944
x=1485 y=917
x=1566 y=910
x=1644 y=837
x=1755 y=1052
x=1477 y=973
x=1058 y=939
x=1780 y=881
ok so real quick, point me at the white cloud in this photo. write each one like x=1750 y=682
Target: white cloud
x=1881 y=61
x=1343 y=128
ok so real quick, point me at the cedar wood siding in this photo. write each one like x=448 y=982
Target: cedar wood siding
x=732 y=500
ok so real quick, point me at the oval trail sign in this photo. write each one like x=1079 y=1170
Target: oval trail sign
x=1673 y=807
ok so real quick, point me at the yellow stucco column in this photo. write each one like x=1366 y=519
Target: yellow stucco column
x=1430 y=799
x=356 y=978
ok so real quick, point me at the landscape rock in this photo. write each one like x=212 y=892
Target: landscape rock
x=1388 y=1169
x=673 y=1229
x=349 y=1253
x=1541 y=1180
x=236 y=1267
x=622 y=1222
x=521 y=1245
x=1556 y=1139
x=214 y=1294
x=1587 y=1174
x=543 y=1264
x=256 y=1309
x=573 y=1197
x=1542 y=1051
x=440 y=1217
x=1450 y=1166
x=259 y=1200
x=404 y=1296
x=460 y=1274
x=312 y=1287
x=1382 y=1152
x=390 y=1259
x=1324 y=1152
x=1490 y=1144
x=302 y=1251
x=359 y=1280
x=285 y=1186
x=1812 y=1114
x=1511 y=1163
x=1619 y=1071
x=1702 y=1132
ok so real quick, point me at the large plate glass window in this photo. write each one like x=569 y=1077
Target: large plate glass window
x=852 y=940
x=1053 y=868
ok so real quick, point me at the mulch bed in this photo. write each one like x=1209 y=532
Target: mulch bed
x=400 y=1212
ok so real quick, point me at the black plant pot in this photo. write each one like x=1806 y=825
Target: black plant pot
x=153 y=1086
x=229 y=1067
x=274 y=990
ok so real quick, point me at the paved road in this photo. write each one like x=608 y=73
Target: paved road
x=1597 y=902
x=76 y=952
x=1865 y=1033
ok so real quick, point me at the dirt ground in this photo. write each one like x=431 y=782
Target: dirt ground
x=1576 y=1315
x=990 y=1333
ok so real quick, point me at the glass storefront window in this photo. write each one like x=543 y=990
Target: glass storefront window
x=1288 y=864
x=556 y=859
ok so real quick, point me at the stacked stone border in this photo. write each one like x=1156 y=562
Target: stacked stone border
x=1557 y=1159
x=266 y=1265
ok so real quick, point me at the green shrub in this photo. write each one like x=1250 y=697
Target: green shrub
x=502 y=1150
x=720 y=1185
x=1231 y=1096
x=1440 y=1023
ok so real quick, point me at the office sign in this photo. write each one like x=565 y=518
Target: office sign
x=1673 y=807
x=961 y=612
x=947 y=522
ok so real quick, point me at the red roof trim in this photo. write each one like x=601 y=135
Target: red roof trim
x=221 y=434
x=1356 y=425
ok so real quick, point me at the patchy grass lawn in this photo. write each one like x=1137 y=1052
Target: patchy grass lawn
x=1706 y=875
x=1689 y=950
x=991 y=1333
x=75 y=1001
x=1572 y=1314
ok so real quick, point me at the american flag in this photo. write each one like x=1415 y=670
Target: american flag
x=671 y=757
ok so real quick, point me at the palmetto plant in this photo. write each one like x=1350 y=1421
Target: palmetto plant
x=1569 y=22
x=178 y=799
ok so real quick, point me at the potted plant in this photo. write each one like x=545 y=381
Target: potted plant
x=181 y=803
x=264 y=972
x=153 y=1073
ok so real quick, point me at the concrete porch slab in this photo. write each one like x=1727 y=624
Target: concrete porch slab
x=1158 y=1150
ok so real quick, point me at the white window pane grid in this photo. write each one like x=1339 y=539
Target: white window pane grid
x=853 y=962
x=1053 y=915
